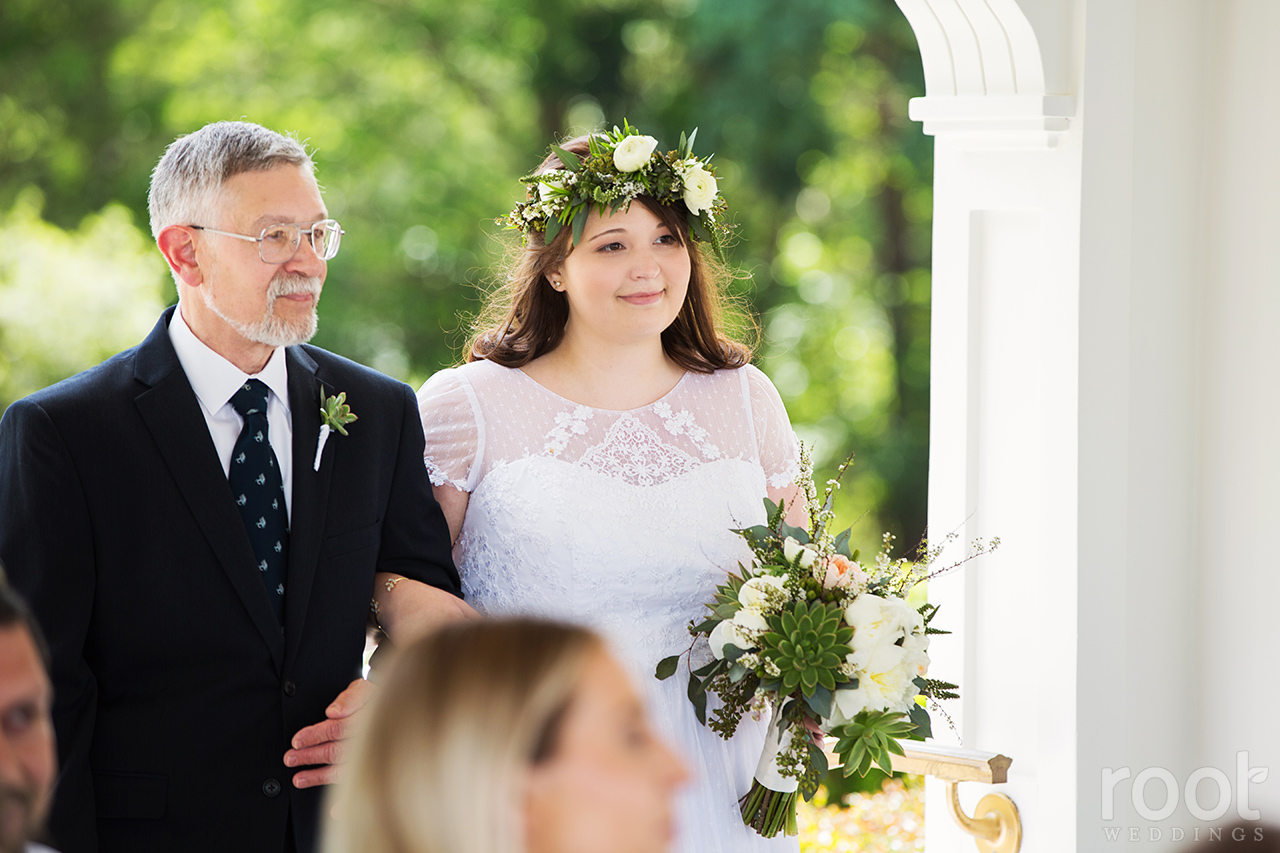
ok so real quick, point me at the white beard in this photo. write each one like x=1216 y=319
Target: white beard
x=269 y=329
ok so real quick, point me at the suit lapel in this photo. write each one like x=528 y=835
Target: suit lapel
x=172 y=414
x=310 y=492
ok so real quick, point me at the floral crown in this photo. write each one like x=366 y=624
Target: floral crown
x=619 y=166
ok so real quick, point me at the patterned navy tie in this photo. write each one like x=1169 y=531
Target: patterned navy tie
x=259 y=491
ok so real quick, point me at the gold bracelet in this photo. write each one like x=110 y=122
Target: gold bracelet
x=390 y=584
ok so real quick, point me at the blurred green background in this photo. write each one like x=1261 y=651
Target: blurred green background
x=424 y=113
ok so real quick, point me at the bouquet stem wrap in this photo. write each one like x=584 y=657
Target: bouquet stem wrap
x=770 y=806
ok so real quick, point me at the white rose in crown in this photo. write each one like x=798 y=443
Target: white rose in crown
x=550 y=183
x=763 y=594
x=700 y=189
x=633 y=152
x=743 y=631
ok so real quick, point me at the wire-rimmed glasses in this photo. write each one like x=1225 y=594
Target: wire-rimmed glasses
x=278 y=243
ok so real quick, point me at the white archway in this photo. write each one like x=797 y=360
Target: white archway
x=984 y=76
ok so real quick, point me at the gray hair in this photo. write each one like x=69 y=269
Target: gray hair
x=185 y=183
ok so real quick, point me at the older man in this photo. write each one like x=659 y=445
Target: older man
x=27 y=758
x=201 y=542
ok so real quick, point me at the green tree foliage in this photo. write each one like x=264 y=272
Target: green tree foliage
x=422 y=115
x=70 y=299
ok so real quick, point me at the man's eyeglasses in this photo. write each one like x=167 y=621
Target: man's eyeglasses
x=279 y=243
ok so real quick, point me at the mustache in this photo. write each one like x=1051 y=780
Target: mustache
x=24 y=800
x=287 y=284
x=12 y=793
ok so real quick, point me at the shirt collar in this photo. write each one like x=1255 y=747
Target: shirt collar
x=213 y=378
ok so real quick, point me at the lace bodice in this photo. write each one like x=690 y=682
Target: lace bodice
x=618 y=520
x=603 y=516
x=482 y=416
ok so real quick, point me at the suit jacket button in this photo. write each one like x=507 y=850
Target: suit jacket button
x=290 y=688
x=271 y=788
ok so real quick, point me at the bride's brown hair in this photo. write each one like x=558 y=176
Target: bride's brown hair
x=525 y=316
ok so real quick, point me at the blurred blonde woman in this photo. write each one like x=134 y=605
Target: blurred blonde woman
x=505 y=736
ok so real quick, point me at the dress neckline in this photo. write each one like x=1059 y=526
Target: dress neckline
x=564 y=399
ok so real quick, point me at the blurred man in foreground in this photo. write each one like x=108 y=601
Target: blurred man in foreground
x=28 y=763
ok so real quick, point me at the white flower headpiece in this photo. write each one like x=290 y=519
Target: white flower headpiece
x=618 y=167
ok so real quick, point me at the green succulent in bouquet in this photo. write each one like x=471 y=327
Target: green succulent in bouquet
x=808 y=645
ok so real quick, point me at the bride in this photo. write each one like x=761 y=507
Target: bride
x=605 y=436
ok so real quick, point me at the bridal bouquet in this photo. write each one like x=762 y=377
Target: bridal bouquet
x=832 y=645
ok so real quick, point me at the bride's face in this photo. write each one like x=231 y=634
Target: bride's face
x=609 y=782
x=626 y=279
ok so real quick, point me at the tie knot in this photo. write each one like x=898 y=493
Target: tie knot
x=251 y=399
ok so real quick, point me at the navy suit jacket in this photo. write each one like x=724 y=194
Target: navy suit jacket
x=176 y=688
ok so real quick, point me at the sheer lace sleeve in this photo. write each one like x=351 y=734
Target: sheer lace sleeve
x=776 y=443
x=454 y=430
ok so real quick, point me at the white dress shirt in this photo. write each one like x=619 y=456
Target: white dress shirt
x=215 y=380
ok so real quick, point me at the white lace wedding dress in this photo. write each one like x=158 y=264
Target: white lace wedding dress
x=620 y=521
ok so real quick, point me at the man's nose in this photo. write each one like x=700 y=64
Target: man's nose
x=305 y=261
x=11 y=770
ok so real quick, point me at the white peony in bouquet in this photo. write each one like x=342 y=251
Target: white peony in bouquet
x=830 y=644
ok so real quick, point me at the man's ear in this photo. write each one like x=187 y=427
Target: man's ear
x=178 y=246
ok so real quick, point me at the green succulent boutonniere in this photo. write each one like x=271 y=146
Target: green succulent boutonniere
x=335 y=414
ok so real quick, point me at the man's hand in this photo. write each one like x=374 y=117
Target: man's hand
x=321 y=744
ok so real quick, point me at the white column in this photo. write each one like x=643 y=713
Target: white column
x=1237 y=511
x=1106 y=347
x=1005 y=427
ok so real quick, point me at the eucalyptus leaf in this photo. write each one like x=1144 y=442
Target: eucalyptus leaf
x=553 y=228
x=924 y=726
x=818 y=771
x=580 y=224
x=821 y=701
x=568 y=158
x=841 y=544
x=797 y=533
x=667 y=667
x=710 y=669
x=698 y=696
x=727 y=611
x=699 y=228
x=818 y=759
x=758 y=535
